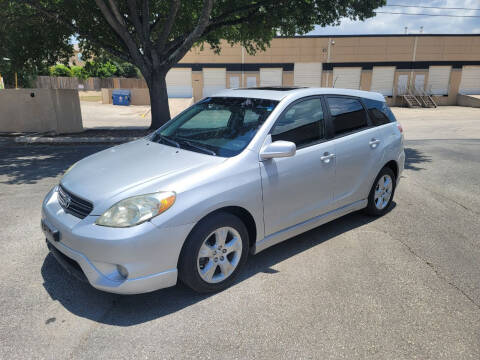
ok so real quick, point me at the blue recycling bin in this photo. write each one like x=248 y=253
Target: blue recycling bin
x=121 y=97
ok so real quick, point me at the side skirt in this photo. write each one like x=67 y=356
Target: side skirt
x=302 y=227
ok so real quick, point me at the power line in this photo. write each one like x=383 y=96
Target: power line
x=419 y=14
x=430 y=7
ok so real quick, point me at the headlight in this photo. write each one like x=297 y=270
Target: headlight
x=137 y=209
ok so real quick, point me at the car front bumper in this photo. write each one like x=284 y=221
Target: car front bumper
x=148 y=252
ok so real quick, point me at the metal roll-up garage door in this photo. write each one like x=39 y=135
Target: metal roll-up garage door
x=214 y=80
x=271 y=76
x=438 y=80
x=179 y=83
x=470 y=83
x=382 y=79
x=307 y=74
x=347 y=77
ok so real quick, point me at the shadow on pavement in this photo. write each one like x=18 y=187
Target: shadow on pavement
x=27 y=164
x=413 y=158
x=125 y=310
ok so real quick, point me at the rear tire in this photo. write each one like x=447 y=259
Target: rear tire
x=214 y=253
x=381 y=194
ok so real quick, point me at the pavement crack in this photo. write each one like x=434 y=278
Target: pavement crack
x=446 y=198
x=438 y=274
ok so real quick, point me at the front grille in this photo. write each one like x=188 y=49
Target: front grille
x=72 y=204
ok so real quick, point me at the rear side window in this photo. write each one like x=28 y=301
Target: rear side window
x=347 y=114
x=302 y=123
x=379 y=112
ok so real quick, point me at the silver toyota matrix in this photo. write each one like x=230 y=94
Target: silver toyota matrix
x=231 y=175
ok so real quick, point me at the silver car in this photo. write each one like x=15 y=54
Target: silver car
x=231 y=175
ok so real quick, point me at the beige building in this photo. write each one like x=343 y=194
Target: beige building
x=442 y=65
x=76 y=59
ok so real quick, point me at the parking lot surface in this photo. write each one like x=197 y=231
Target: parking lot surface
x=403 y=286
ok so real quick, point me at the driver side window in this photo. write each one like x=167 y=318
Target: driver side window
x=302 y=123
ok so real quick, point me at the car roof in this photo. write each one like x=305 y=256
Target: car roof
x=279 y=93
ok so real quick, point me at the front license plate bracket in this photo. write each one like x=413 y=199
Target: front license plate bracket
x=50 y=232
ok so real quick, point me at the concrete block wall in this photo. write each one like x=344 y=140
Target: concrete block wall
x=40 y=110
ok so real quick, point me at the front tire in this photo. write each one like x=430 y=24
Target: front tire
x=214 y=253
x=381 y=194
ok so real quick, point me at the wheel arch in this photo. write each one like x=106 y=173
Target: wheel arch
x=392 y=164
x=243 y=214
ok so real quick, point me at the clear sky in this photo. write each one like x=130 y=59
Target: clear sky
x=395 y=24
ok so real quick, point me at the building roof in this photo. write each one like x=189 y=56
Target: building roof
x=371 y=35
x=279 y=93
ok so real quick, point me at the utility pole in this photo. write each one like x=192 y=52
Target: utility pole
x=328 y=59
x=414 y=58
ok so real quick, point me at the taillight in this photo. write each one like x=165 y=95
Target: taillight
x=400 y=127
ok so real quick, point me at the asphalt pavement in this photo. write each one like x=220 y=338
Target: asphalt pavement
x=403 y=286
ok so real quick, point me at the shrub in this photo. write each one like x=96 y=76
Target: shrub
x=77 y=71
x=60 y=70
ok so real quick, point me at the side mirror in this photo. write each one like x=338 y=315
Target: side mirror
x=278 y=149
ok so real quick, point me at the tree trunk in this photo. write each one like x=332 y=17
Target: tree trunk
x=158 y=99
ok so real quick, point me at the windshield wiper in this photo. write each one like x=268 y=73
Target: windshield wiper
x=198 y=147
x=168 y=140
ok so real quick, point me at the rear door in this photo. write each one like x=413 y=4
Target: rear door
x=382 y=79
x=470 y=82
x=347 y=77
x=298 y=188
x=271 y=76
x=357 y=147
x=214 y=79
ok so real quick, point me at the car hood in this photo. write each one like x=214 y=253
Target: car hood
x=132 y=167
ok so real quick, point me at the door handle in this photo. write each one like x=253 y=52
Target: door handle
x=327 y=157
x=374 y=143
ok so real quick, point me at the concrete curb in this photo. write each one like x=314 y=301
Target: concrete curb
x=71 y=140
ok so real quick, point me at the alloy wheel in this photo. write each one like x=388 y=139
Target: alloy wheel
x=219 y=255
x=383 y=191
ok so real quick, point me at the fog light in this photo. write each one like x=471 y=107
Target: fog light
x=122 y=271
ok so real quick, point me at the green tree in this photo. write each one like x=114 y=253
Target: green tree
x=154 y=35
x=125 y=69
x=32 y=43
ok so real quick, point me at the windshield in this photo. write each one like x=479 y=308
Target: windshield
x=220 y=126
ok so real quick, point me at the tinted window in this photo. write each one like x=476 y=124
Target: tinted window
x=221 y=126
x=379 y=112
x=347 y=114
x=302 y=123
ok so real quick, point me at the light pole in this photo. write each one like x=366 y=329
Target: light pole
x=16 y=77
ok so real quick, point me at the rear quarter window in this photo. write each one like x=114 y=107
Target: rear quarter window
x=379 y=112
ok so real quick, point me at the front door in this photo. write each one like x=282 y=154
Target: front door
x=298 y=188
